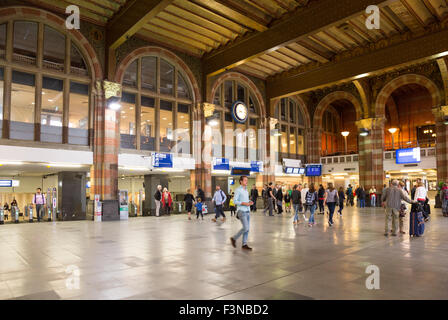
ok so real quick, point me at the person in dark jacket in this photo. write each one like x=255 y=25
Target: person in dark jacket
x=350 y=198
x=341 y=195
x=254 y=196
x=200 y=193
x=279 y=198
x=296 y=199
x=321 y=198
x=189 y=199
x=361 y=197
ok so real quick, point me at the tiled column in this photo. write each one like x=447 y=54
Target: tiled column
x=441 y=113
x=270 y=160
x=313 y=147
x=104 y=172
x=371 y=150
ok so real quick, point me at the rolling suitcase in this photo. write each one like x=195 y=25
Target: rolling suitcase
x=417 y=223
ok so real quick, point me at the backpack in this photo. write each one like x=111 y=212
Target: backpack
x=310 y=198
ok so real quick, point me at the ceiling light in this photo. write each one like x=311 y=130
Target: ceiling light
x=134 y=168
x=411 y=170
x=213 y=123
x=13 y=163
x=393 y=130
x=345 y=133
x=63 y=165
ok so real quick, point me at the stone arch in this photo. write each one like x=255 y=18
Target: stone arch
x=240 y=77
x=165 y=54
x=390 y=87
x=52 y=20
x=330 y=98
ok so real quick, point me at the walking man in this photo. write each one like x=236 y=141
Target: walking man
x=254 y=196
x=391 y=200
x=158 y=199
x=243 y=213
x=39 y=202
x=219 y=199
x=270 y=200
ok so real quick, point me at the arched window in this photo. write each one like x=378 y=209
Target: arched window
x=156 y=106
x=240 y=140
x=291 y=128
x=330 y=136
x=49 y=85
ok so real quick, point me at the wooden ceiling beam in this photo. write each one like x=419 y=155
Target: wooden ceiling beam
x=420 y=49
x=319 y=15
x=131 y=18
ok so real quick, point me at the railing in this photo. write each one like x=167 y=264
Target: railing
x=424 y=152
x=410 y=144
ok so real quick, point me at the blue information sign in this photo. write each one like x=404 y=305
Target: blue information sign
x=256 y=166
x=291 y=170
x=221 y=164
x=5 y=183
x=314 y=170
x=162 y=160
x=407 y=156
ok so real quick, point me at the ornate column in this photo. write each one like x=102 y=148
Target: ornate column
x=104 y=172
x=441 y=117
x=371 y=150
x=271 y=151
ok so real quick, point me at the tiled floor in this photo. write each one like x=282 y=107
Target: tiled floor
x=172 y=258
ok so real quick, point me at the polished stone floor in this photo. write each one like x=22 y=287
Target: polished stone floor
x=172 y=258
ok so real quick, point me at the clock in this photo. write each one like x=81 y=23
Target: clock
x=240 y=112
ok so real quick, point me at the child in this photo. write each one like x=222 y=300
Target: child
x=232 y=206
x=198 y=206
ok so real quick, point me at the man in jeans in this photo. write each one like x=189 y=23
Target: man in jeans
x=391 y=200
x=158 y=198
x=219 y=199
x=270 y=200
x=243 y=213
x=39 y=202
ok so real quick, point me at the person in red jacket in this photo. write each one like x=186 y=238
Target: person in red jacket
x=167 y=201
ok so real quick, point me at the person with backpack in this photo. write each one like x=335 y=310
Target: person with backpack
x=311 y=199
x=444 y=196
x=303 y=193
x=39 y=202
x=350 y=197
x=321 y=198
x=219 y=199
x=296 y=199
x=158 y=199
x=331 y=198
x=341 y=196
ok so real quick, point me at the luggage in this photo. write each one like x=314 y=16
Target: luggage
x=417 y=223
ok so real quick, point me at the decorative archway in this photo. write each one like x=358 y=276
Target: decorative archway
x=390 y=87
x=330 y=98
x=39 y=15
x=239 y=77
x=165 y=54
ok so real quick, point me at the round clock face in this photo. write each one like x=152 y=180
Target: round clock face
x=240 y=112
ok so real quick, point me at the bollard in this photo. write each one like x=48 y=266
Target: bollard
x=2 y=216
x=31 y=214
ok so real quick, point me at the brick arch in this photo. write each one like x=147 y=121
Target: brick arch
x=330 y=98
x=302 y=108
x=165 y=54
x=239 y=77
x=52 y=20
x=390 y=87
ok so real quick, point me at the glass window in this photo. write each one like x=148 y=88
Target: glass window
x=149 y=73
x=252 y=139
x=25 y=42
x=77 y=64
x=166 y=78
x=241 y=141
x=1 y=101
x=284 y=140
x=182 y=136
x=217 y=99
x=241 y=94
x=228 y=94
x=292 y=108
x=228 y=135
x=127 y=122
x=2 y=41
x=130 y=75
x=54 y=49
x=300 y=119
x=78 y=114
x=292 y=141
x=300 y=142
x=215 y=124
x=166 y=126
x=283 y=110
x=22 y=106
x=252 y=107
x=52 y=110
x=147 y=130
x=182 y=88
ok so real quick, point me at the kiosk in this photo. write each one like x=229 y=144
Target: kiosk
x=124 y=204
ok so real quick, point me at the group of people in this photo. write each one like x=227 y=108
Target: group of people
x=163 y=200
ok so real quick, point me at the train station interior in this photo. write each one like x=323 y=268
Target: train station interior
x=344 y=93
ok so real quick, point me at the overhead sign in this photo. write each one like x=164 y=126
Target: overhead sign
x=291 y=170
x=406 y=156
x=5 y=183
x=240 y=112
x=221 y=164
x=240 y=172
x=162 y=160
x=313 y=170
x=256 y=166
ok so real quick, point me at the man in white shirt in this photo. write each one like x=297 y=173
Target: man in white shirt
x=303 y=194
x=39 y=202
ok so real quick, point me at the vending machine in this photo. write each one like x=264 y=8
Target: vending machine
x=124 y=204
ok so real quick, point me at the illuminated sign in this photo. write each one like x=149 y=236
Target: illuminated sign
x=314 y=170
x=162 y=160
x=406 y=156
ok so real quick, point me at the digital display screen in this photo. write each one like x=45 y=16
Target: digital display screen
x=291 y=170
x=240 y=172
x=408 y=156
x=5 y=183
x=314 y=170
